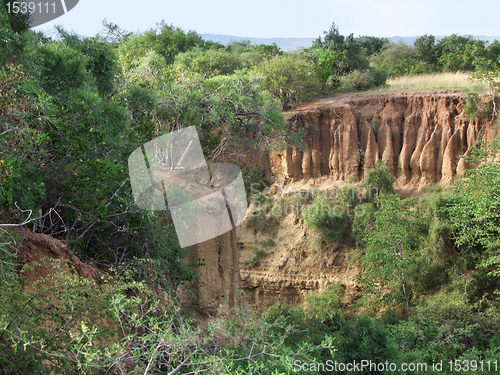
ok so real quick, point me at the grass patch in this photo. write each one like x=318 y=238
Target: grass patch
x=268 y=243
x=424 y=82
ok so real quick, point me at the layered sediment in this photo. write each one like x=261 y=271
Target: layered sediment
x=420 y=136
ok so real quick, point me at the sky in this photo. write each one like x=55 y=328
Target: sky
x=289 y=18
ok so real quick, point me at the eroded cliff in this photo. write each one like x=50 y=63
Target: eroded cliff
x=419 y=135
x=218 y=281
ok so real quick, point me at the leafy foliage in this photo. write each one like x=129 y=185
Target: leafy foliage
x=168 y=41
x=399 y=59
x=329 y=218
x=380 y=180
x=450 y=54
x=390 y=247
x=288 y=78
x=342 y=62
x=475 y=212
x=70 y=324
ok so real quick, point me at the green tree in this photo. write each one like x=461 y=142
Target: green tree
x=475 y=212
x=380 y=180
x=426 y=48
x=267 y=49
x=23 y=142
x=333 y=39
x=459 y=53
x=371 y=44
x=230 y=112
x=101 y=59
x=18 y=21
x=209 y=63
x=391 y=245
x=350 y=53
x=330 y=219
x=489 y=76
x=15 y=36
x=168 y=41
x=288 y=78
x=325 y=63
x=400 y=59
x=492 y=55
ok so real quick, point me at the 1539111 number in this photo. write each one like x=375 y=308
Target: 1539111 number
x=473 y=366
x=31 y=7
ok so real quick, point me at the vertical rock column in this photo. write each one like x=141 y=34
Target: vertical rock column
x=218 y=277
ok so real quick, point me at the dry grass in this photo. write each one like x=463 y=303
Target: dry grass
x=442 y=81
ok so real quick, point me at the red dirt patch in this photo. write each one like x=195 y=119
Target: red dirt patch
x=36 y=247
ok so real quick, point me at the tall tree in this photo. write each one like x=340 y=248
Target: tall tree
x=391 y=243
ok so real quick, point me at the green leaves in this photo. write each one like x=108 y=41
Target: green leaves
x=232 y=108
x=391 y=245
x=288 y=78
x=168 y=41
x=475 y=211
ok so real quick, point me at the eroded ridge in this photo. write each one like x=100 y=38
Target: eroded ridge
x=419 y=135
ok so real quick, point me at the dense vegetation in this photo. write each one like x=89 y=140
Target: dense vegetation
x=71 y=112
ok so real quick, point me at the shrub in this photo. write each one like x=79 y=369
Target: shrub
x=361 y=80
x=362 y=337
x=288 y=78
x=380 y=178
x=329 y=219
x=209 y=63
x=446 y=327
x=65 y=324
x=478 y=106
x=60 y=69
x=400 y=59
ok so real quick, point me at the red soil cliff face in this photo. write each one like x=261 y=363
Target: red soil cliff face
x=419 y=135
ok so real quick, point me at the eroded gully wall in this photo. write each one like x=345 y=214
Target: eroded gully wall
x=420 y=136
x=218 y=281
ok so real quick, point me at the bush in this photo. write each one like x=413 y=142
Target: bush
x=363 y=223
x=381 y=179
x=101 y=59
x=362 y=338
x=478 y=106
x=399 y=59
x=288 y=78
x=209 y=63
x=329 y=219
x=446 y=327
x=60 y=69
x=66 y=324
x=22 y=140
x=168 y=42
x=459 y=53
x=360 y=80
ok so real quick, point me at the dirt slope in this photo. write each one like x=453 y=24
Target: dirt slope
x=35 y=247
x=419 y=135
